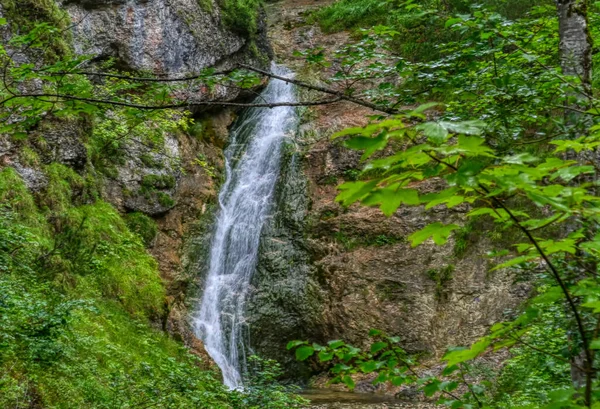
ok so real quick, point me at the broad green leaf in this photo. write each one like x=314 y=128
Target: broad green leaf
x=325 y=356
x=304 y=352
x=515 y=261
x=462 y=355
x=294 y=344
x=369 y=145
x=368 y=367
x=354 y=191
x=390 y=198
x=431 y=389
x=434 y=132
x=336 y=344
x=438 y=231
x=474 y=146
x=569 y=173
x=349 y=382
x=520 y=158
x=378 y=346
x=474 y=127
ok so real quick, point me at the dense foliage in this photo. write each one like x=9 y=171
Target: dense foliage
x=81 y=299
x=514 y=143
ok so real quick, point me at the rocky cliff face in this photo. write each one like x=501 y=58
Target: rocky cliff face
x=174 y=183
x=336 y=273
x=164 y=37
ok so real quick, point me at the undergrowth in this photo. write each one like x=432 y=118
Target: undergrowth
x=79 y=294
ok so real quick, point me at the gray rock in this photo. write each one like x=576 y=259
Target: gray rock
x=34 y=179
x=172 y=37
x=63 y=143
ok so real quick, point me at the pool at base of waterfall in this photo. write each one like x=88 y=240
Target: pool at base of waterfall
x=331 y=399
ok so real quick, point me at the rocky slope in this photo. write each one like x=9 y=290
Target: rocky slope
x=327 y=272
x=174 y=183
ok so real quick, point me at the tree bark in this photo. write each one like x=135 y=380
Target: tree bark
x=575 y=41
x=576 y=60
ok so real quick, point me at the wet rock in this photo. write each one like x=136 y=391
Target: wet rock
x=286 y=298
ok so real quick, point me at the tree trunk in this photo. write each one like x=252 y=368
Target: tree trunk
x=575 y=41
x=576 y=60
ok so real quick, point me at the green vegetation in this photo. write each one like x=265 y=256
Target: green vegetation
x=350 y=239
x=419 y=24
x=153 y=181
x=78 y=289
x=24 y=15
x=441 y=277
x=142 y=225
x=241 y=16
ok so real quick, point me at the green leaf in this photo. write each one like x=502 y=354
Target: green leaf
x=378 y=346
x=294 y=344
x=325 y=356
x=520 y=158
x=354 y=191
x=349 y=382
x=447 y=196
x=434 y=132
x=336 y=344
x=595 y=344
x=462 y=355
x=438 y=231
x=473 y=146
x=392 y=197
x=474 y=127
x=452 y=21
x=569 y=173
x=368 y=367
x=515 y=261
x=431 y=389
x=304 y=352
x=369 y=145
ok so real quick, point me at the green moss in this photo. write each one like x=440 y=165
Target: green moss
x=329 y=180
x=143 y=226
x=151 y=161
x=165 y=200
x=64 y=186
x=442 y=277
x=15 y=195
x=463 y=239
x=206 y=5
x=241 y=16
x=24 y=15
x=29 y=157
x=158 y=181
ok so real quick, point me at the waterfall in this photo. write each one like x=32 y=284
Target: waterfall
x=252 y=166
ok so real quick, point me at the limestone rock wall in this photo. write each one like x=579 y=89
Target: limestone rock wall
x=162 y=36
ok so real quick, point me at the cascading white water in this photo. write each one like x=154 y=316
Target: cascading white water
x=252 y=166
